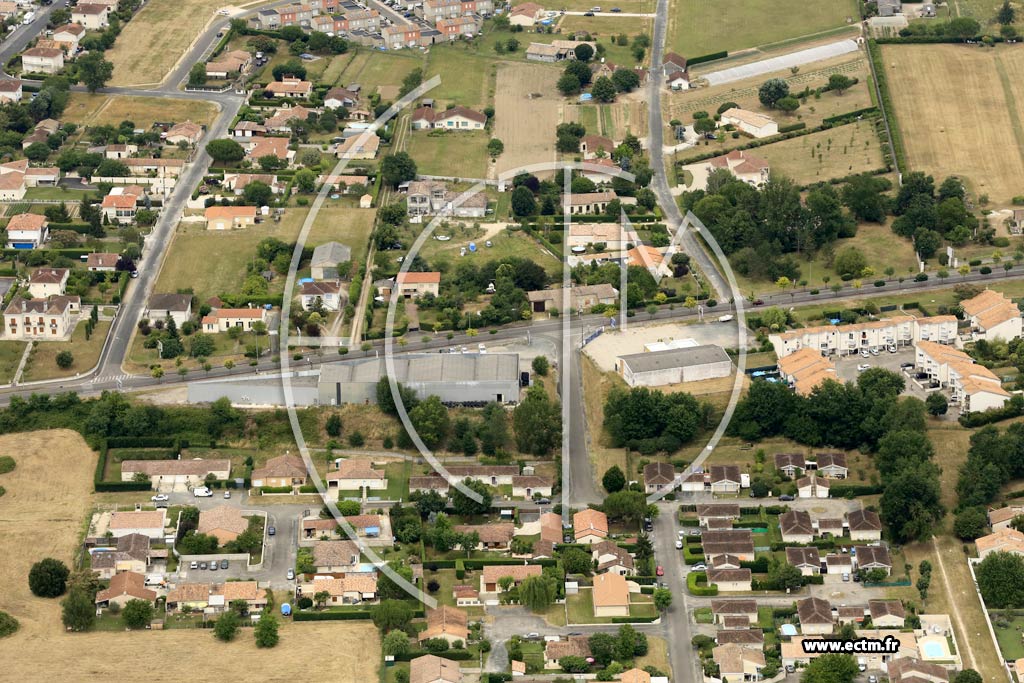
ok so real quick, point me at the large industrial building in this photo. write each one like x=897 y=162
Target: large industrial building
x=674 y=366
x=452 y=377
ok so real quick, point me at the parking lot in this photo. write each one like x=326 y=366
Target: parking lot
x=849 y=367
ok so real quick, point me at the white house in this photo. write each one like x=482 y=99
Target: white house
x=27 y=231
x=974 y=386
x=11 y=90
x=146 y=522
x=325 y=293
x=992 y=315
x=43 y=60
x=751 y=123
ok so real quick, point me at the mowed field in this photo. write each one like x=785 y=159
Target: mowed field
x=372 y=69
x=48 y=498
x=102 y=110
x=833 y=153
x=461 y=154
x=525 y=125
x=977 y=134
x=467 y=79
x=700 y=27
x=153 y=41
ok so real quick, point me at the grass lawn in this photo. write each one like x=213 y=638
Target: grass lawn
x=1011 y=643
x=700 y=27
x=586 y=114
x=657 y=656
x=61 y=193
x=620 y=54
x=372 y=68
x=467 y=77
x=462 y=154
x=834 y=153
x=505 y=243
x=347 y=225
x=151 y=43
x=628 y=6
x=533 y=655
x=10 y=356
x=42 y=363
x=97 y=110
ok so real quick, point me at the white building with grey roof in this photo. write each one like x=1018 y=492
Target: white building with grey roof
x=326 y=257
x=674 y=366
x=453 y=377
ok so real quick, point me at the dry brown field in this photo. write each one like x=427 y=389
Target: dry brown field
x=525 y=125
x=833 y=153
x=105 y=110
x=42 y=514
x=975 y=131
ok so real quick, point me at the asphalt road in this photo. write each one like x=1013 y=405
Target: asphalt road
x=676 y=620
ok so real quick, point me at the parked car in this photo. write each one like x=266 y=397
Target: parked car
x=224 y=564
x=202 y=565
x=863 y=366
x=159 y=497
x=271 y=531
x=864 y=353
x=785 y=497
x=202 y=492
x=213 y=566
x=193 y=565
x=291 y=575
x=227 y=494
x=906 y=366
x=699 y=567
x=759 y=302
x=660 y=571
x=544 y=501
x=875 y=352
x=679 y=544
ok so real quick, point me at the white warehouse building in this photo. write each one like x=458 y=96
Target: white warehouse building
x=674 y=366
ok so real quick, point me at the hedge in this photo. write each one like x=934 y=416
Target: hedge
x=146 y=442
x=707 y=58
x=832 y=120
x=80 y=228
x=634 y=620
x=792 y=127
x=275 y=489
x=460 y=569
x=454 y=655
x=349 y=615
x=691 y=585
x=854 y=490
x=888 y=110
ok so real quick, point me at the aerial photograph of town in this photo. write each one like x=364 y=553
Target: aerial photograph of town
x=487 y=341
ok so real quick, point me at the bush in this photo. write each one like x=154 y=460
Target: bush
x=8 y=624
x=985 y=270
x=6 y=464
x=48 y=578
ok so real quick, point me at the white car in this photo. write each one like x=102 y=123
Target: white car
x=862 y=367
x=160 y=497
x=679 y=545
x=865 y=353
x=202 y=492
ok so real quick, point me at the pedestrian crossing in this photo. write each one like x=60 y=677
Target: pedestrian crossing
x=105 y=379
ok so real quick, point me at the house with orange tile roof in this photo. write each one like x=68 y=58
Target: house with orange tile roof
x=1007 y=540
x=525 y=14
x=492 y=575
x=974 y=386
x=411 y=285
x=434 y=669
x=224 y=522
x=223 y=319
x=551 y=527
x=992 y=315
x=888 y=333
x=654 y=260
x=447 y=623
x=290 y=86
x=216 y=598
x=355 y=474
x=806 y=369
x=27 y=231
x=124 y=587
x=750 y=122
x=230 y=217
x=352 y=589
x=146 y=522
x=610 y=595
x=284 y=470
x=746 y=167
x=260 y=147
x=590 y=526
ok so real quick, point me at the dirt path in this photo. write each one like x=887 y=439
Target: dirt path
x=965 y=643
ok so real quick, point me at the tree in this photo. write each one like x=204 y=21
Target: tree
x=771 y=91
x=900 y=449
x=78 y=611
x=613 y=479
x=910 y=503
x=94 y=71
x=411 y=81
x=306 y=180
x=788 y=104
x=575 y=561
x=37 y=151
x=839 y=83
x=625 y=80
x=293 y=67
x=584 y=52
x=662 y=599
x=863 y=196
x=197 y=74
x=266 y=630
x=495 y=147
x=704 y=125
x=540 y=365
x=568 y=84
x=464 y=505
x=967 y=676
x=391 y=614
x=537 y=592
x=395 y=643
x=831 y=669
x=48 y=578
x=850 y=262
x=397 y=168
x=65 y=360
x=523 y=202
x=1006 y=14
x=1001 y=580
x=969 y=524
x=225 y=151
x=137 y=614
x=629 y=506
x=604 y=89
x=537 y=422
x=226 y=626
x=430 y=420
x=573 y=664
x=602 y=648
x=784 y=576
x=333 y=425
x=936 y=404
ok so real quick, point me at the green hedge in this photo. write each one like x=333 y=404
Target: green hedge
x=691 y=585
x=707 y=58
x=146 y=442
x=889 y=111
x=792 y=127
x=849 y=116
x=275 y=489
x=634 y=620
x=332 y=616
x=854 y=490
x=460 y=569
x=307 y=488
x=454 y=655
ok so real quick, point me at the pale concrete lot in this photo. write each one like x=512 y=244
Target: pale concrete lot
x=612 y=344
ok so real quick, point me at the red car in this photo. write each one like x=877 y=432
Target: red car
x=660 y=571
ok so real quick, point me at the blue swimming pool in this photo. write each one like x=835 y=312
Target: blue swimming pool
x=933 y=650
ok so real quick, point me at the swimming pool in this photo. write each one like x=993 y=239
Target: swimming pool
x=933 y=649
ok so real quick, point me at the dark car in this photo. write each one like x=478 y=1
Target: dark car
x=202 y=565
x=567 y=538
x=759 y=302
x=906 y=366
x=785 y=497
x=224 y=564
x=271 y=531
x=544 y=501
x=616 y=9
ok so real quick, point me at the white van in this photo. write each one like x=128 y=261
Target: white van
x=28 y=18
x=202 y=492
x=154 y=580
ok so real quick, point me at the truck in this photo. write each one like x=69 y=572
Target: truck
x=28 y=18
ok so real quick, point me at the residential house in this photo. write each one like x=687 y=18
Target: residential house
x=412 y=285
x=362 y=146
x=428 y=198
x=373 y=529
x=747 y=167
x=805 y=370
x=352 y=589
x=152 y=167
x=551 y=527
x=572 y=646
x=974 y=386
x=283 y=471
x=530 y=486
x=458 y=27
x=745 y=609
x=595 y=146
x=1001 y=518
x=215 y=598
x=796 y=527
x=730 y=580
x=611 y=558
x=340 y=97
x=492 y=475
x=97 y=262
x=492 y=536
x=870 y=557
x=269 y=147
x=17 y=176
x=789 y=464
x=11 y=90
x=237 y=182
x=879 y=335
x=525 y=14
x=45 y=282
x=290 y=86
x=590 y=526
x=149 y=523
x=650 y=258
x=68 y=36
x=491 y=575
x=355 y=474
x=832 y=465
x=466 y=596
x=837 y=565
x=610 y=595
x=185 y=131
x=435 y=10
x=405 y=35
x=813 y=486
x=725 y=478
x=815 y=616
x=887 y=613
x=709 y=513
x=42 y=319
x=745 y=637
x=455 y=118
x=229 y=65
x=327 y=295
x=807 y=560
x=674 y=69
x=753 y=124
x=124 y=587
x=27 y=231
x=335 y=556
x=913 y=670
x=581 y=298
x=1006 y=540
x=738 y=542
x=590 y=203
x=865 y=525
x=737 y=663
x=992 y=315
x=344 y=183
x=120 y=205
x=248 y=129
x=557 y=50
x=282 y=120
x=120 y=151
x=42 y=60
x=230 y=217
x=447 y=623
x=224 y=522
x=91 y=16
x=131 y=554
x=658 y=476
x=433 y=669
x=174 y=474
x=176 y=306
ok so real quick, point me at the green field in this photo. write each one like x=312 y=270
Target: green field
x=619 y=54
x=467 y=78
x=10 y=356
x=461 y=154
x=1011 y=644
x=372 y=69
x=700 y=27
x=42 y=363
x=350 y=226
x=505 y=243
